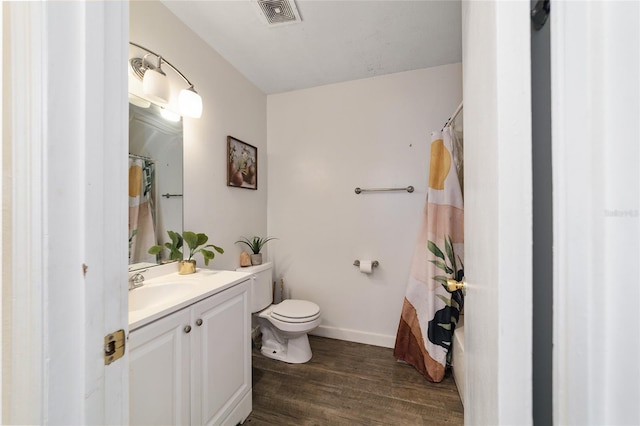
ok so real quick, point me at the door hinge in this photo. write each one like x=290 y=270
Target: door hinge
x=540 y=14
x=113 y=346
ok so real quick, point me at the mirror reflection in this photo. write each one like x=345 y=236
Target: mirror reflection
x=155 y=182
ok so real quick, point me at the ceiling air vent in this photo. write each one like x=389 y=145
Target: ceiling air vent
x=278 y=12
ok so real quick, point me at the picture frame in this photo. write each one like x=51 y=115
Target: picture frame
x=242 y=164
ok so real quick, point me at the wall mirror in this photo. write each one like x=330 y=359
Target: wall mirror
x=155 y=181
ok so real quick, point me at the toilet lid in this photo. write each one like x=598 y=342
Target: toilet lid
x=292 y=310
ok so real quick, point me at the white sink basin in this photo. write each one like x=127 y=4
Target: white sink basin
x=152 y=295
x=166 y=293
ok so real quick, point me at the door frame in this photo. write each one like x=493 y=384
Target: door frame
x=498 y=211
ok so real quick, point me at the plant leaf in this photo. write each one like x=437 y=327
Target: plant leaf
x=216 y=248
x=191 y=239
x=446 y=300
x=245 y=242
x=176 y=255
x=442 y=266
x=176 y=239
x=441 y=279
x=208 y=255
x=449 y=247
x=445 y=326
x=202 y=239
x=256 y=243
x=251 y=244
x=433 y=248
x=155 y=249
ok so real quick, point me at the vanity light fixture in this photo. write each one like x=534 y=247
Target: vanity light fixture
x=155 y=83
x=190 y=102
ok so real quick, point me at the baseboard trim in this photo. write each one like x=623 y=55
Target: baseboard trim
x=357 y=336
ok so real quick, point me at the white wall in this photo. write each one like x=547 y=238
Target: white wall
x=231 y=106
x=324 y=142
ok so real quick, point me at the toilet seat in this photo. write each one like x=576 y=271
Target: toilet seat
x=295 y=311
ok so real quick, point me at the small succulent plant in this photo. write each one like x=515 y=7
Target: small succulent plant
x=256 y=243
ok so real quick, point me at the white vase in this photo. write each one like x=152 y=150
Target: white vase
x=256 y=259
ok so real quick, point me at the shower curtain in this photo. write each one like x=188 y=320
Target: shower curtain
x=141 y=216
x=430 y=312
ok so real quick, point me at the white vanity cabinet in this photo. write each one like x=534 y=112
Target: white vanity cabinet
x=194 y=366
x=159 y=372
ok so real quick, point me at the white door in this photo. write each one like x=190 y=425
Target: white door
x=65 y=141
x=498 y=206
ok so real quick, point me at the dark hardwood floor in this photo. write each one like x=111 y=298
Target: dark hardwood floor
x=349 y=383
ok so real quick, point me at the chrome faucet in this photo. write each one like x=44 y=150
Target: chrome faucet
x=136 y=280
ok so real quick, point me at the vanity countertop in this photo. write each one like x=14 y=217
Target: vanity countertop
x=168 y=293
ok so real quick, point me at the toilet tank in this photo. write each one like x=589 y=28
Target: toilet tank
x=261 y=287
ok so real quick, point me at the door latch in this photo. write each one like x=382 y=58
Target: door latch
x=453 y=285
x=113 y=346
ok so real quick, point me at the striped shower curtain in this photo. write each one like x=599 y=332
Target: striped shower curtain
x=430 y=312
x=141 y=212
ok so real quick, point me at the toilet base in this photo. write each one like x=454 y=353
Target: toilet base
x=295 y=350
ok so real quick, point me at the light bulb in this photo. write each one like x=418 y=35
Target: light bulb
x=155 y=85
x=190 y=103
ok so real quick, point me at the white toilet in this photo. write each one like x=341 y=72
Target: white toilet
x=285 y=325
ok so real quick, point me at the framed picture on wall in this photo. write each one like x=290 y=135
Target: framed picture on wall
x=242 y=164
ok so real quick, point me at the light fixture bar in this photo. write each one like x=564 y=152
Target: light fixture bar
x=164 y=61
x=156 y=85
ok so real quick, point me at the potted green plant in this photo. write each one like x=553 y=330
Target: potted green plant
x=195 y=243
x=256 y=244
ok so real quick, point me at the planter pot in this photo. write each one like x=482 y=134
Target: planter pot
x=186 y=267
x=256 y=259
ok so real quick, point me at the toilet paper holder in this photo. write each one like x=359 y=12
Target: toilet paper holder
x=374 y=264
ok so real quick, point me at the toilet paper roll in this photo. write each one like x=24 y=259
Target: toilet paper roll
x=366 y=266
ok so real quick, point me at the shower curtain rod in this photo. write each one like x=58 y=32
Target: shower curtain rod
x=142 y=157
x=453 y=117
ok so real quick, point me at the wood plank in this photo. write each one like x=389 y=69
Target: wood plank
x=348 y=383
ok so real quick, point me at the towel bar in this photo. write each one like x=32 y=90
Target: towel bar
x=408 y=189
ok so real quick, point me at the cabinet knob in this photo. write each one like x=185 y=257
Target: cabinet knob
x=187 y=329
x=199 y=322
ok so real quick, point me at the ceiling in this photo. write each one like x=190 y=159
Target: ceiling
x=335 y=41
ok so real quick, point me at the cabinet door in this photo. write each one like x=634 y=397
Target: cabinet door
x=159 y=372
x=221 y=347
